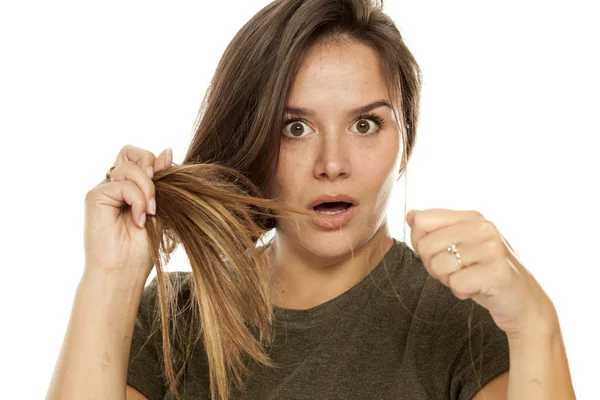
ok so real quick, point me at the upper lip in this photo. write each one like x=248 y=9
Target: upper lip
x=331 y=199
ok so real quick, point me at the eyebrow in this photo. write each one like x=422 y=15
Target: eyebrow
x=301 y=111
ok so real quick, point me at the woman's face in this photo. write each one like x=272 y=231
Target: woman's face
x=333 y=149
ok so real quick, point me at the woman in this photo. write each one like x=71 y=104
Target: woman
x=310 y=119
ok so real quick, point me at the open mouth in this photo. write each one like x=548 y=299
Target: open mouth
x=332 y=208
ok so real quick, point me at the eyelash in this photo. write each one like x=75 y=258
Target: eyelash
x=372 y=116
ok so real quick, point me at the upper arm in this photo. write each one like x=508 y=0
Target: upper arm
x=496 y=389
x=133 y=394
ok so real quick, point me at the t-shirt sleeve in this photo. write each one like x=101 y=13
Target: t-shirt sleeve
x=482 y=357
x=145 y=371
x=457 y=348
x=463 y=349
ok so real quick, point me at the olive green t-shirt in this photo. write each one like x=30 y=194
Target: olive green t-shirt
x=397 y=334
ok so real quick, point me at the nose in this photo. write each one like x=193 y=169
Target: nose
x=332 y=161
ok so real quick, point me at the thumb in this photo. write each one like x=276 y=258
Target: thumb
x=410 y=217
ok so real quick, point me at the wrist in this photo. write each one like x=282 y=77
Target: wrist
x=107 y=303
x=112 y=287
x=542 y=325
x=114 y=278
x=539 y=367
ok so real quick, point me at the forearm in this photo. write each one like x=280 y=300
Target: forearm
x=94 y=356
x=539 y=368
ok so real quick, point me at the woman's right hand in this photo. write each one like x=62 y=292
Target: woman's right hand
x=116 y=241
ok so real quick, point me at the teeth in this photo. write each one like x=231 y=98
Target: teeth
x=331 y=212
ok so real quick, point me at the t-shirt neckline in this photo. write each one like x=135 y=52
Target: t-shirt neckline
x=316 y=314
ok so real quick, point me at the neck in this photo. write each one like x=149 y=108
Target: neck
x=302 y=279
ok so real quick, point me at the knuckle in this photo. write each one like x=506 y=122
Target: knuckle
x=129 y=169
x=476 y=214
x=126 y=149
x=137 y=174
x=90 y=194
x=122 y=155
x=493 y=247
x=143 y=156
x=487 y=227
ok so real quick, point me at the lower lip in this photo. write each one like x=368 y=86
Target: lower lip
x=334 y=221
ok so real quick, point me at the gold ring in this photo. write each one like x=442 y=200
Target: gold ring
x=109 y=177
x=452 y=250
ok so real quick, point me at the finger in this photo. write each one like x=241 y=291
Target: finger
x=131 y=172
x=142 y=157
x=486 y=279
x=468 y=232
x=427 y=221
x=164 y=159
x=463 y=232
x=443 y=263
x=125 y=192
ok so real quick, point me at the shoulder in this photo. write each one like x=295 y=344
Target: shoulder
x=177 y=287
x=178 y=278
x=409 y=276
x=177 y=281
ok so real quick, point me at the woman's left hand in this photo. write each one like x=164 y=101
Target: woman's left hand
x=492 y=275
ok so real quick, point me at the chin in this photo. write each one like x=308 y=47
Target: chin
x=333 y=244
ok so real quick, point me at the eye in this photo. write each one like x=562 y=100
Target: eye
x=365 y=124
x=297 y=127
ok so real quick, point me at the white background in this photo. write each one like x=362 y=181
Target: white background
x=509 y=127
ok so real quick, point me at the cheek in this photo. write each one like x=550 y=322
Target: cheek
x=379 y=166
x=289 y=171
x=377 y=161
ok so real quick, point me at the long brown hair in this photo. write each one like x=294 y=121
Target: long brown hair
x=216 y=202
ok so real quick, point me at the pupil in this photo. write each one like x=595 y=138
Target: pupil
x=297 y=129
x=363 y=126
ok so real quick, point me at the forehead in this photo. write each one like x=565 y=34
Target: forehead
x=344 y=71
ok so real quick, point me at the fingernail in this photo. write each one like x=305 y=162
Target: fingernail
x=143 y=220
x=170 y=154
x=152 y=206
x=150 y=172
